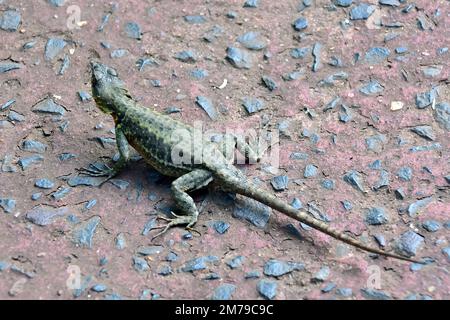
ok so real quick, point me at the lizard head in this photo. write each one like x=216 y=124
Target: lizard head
x=105 y=85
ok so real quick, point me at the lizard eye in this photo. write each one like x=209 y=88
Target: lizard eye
x=112 y=72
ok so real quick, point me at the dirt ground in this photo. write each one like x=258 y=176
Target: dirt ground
x=386 y=61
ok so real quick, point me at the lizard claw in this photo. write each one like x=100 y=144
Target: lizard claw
x=178 y=220
x=193 y=230
x=98 y=170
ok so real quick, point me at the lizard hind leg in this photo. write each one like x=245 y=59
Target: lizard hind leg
x=231 y=142
x=191 y=181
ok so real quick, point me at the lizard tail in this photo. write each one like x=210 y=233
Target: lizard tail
x=249 y=190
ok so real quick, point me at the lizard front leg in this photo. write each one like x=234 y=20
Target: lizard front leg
x=189 y=182
x=106 y=171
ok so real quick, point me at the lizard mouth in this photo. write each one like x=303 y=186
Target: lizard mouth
x=98 y=71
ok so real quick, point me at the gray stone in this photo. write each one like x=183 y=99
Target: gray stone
x=280 y=183
x=133 y=30
x=321 y=275
x=187 y=56
x=194 y=19
x=252 y=40
x=371 y=88
x=277 y=268
x=43 y=216
x=376 y=216
x=310 y=171
x=83 y=233
x=252 y=105
x=392 y=3
x=405 y=173
x=431 y=225
x=409 y=243
x=235 y=262
x=15 y=117
x=7 y=205
x=256 y=213
x=48 y=106
x=118 y=53
x=376 y=55
x=207 y=105
x=442 y=114
x=140 y=264
x=343 y=3
x=355 y=179
x=33 y=146
x=198 y=263
x=425 y=132
x=425 y=99
x=362 y=11
x=10 y=20
x=44 y=183
x=267 y=288
x=300 y=24
x=239 y=58
x=53 y=47
x=414 y=208
x=223 y=292
x=269 y=83
x=26 y=162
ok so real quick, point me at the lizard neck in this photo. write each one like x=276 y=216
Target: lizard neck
x=122 y=105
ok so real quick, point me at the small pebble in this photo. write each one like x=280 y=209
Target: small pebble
x=223 y=292
x=328 y=287
x=347 y=205
x=36 y=196
x=300 y=24
x=431 y=225
x=133 y=30
x=267 y=288
x=376 y=216
x=221 y=226
x=409 y=243
x=425 y=132
x=344 y=292
x=380 y=240
x=99 y=288
x=269 y=83
x=375 y=294
x=195 y=19
x=251 y=3
x=239 y=58
x=277 y=268
x=44 y=183
x=310 y=171
x=405 y=173
x=235 y=262
x=280 y=183
x=252 y=274
x=187 y=56
x=321 y=275
x=7 y=205
x=415 y=207
x=328 y=184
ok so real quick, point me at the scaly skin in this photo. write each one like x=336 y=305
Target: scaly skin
x=156 y=136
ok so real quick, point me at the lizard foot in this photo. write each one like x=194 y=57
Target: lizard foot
x=98 y=170
x=188 y=220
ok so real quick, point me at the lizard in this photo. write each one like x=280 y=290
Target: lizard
x=158 y=137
